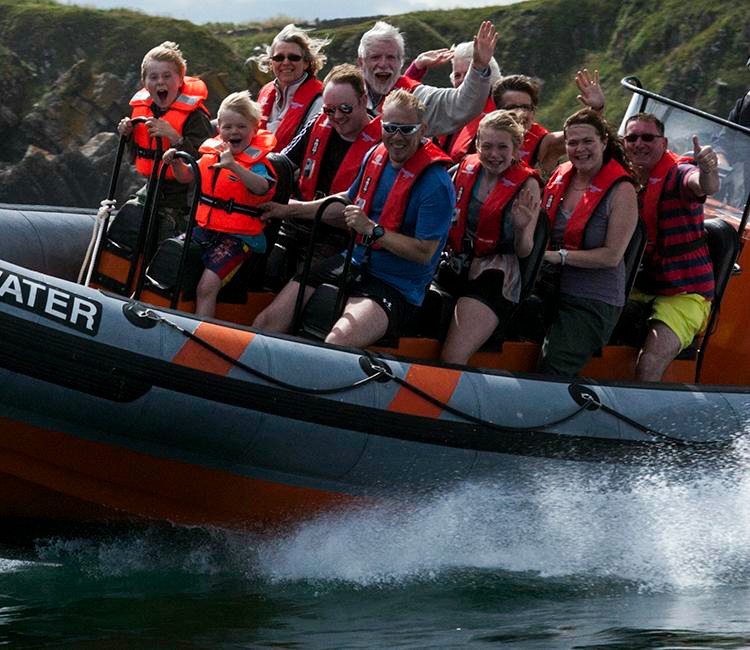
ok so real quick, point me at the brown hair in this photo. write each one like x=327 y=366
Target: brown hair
x=312 y=48
x=346 y=73
x=614 y=148
x=519 y=83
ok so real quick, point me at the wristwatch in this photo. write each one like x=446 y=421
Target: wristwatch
x=563 y=256
x=377 y=232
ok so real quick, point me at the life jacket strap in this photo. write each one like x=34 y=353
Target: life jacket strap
x=230 y=206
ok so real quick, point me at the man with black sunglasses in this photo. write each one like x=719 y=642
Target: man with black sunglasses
x=677 y=278
x=328 y=153
x=403 y=201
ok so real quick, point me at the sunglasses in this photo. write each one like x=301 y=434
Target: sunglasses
x=346 y=109
x=646 y=137
x=294 y=58
x=404 y=129
x=519 y=107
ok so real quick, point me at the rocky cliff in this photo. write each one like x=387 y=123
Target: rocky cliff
x=68 y=72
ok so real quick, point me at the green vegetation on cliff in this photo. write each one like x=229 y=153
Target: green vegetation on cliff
x=68 y=71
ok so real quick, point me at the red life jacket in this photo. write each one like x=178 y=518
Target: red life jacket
x=529 y=151
x=677 y=259
x=490 y=227
x=348 y=167
x=404 y=83
x=458 y=145
x=304 y=96
x=398 y=198
x=225 y=203
x=193 y=93
x=610 y=174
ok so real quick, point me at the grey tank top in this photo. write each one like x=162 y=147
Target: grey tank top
x=606 y=285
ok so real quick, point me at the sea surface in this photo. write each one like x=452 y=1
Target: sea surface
x=652 y=560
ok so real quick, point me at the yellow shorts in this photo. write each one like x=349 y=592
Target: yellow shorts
x=685 y=313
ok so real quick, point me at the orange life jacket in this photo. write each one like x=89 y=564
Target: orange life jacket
x=610 y=174
x=349 y=166
x=300 y=103
x=490 y=228
x=398 y=198
x=193 y=93
x=225 y=203
x=529 y=151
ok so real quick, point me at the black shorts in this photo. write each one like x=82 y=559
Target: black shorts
x=362 y=284
x=488 y=289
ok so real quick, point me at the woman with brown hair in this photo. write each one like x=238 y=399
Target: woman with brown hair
x=592 y=206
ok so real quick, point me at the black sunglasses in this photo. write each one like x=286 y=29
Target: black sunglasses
x=646 y=137
x=346 y=109
x=404 y=129
x=294 y=58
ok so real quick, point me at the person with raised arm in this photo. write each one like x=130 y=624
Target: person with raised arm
x=677 y=277
x=403 y=201
x=497 y=203
x=381 y=57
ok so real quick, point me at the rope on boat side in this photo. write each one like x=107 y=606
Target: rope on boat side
x=378 y=370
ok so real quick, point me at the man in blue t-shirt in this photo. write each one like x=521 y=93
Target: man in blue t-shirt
x=403 y=203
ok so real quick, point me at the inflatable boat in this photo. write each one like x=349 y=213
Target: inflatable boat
x=117 y=403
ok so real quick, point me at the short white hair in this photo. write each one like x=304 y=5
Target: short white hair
x=381 y=31
x=465 y=52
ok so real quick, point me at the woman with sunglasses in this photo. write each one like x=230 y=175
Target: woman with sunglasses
x=497 y=205
x=592 y=207
x=294 y=95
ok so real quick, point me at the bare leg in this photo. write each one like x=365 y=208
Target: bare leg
x=277 y=317
x=362 y=323
x=472 y=324
x=660 y=348
x=206 y=293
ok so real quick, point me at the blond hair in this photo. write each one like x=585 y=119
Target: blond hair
x=165 y=52
x=241 y=103
x=503 y=121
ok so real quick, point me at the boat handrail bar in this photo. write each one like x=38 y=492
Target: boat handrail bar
x=634 y=85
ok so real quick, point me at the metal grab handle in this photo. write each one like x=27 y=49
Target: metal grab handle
x=317 y=219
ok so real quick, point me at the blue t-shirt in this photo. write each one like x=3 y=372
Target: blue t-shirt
x=428 y=217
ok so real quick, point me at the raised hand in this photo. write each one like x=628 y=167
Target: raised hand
x=432 y=58
x=524 y=210
x=592 y=94
x=484 y=45
x=226 y=158
x=705 y=157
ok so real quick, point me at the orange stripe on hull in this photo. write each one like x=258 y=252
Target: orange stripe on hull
x=93 y=476
x=437 y=382
x=230 y=341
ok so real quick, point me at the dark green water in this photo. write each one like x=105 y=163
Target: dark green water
x=656 y=564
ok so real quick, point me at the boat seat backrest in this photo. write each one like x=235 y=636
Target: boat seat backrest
x=723 y=245
x=634 y=254
x=531 y=264
x=285 y=176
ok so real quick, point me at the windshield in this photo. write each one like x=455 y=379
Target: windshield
x=731 y=142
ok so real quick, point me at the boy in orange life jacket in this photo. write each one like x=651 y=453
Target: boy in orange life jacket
x=173 y=106
x=235 y=177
